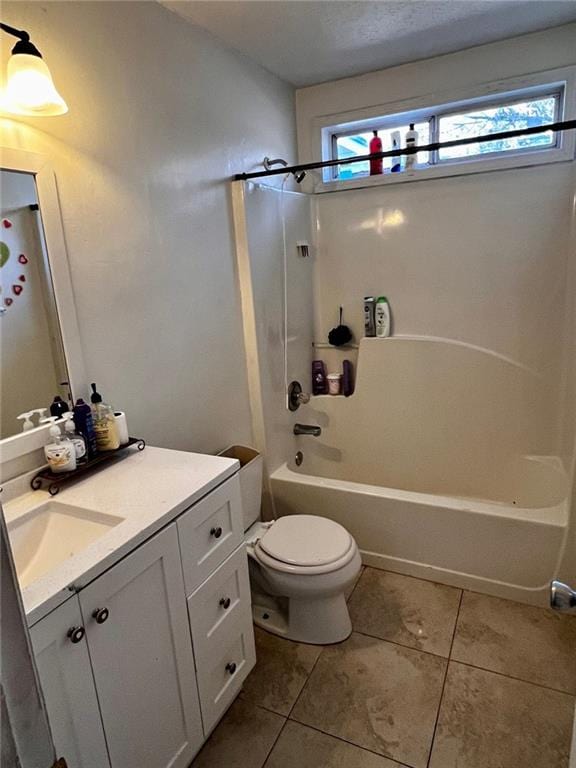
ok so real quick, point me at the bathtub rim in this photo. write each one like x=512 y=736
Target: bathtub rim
x=556 y=514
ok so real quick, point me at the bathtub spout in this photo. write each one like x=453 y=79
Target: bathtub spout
x=307 y=429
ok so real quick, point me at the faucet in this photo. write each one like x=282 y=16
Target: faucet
x=307 y=429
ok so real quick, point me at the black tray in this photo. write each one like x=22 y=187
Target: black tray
x=54 y=480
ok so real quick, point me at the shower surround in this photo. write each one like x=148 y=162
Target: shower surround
x=453 y=460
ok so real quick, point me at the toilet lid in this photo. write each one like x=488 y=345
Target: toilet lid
x=306 y=540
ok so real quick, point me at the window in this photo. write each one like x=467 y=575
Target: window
x=491 y=114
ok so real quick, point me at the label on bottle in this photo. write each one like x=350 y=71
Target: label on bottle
x=59 y=457
x=106 y=434
x=79 y=447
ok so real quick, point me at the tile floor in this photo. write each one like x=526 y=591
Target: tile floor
x=432 y=677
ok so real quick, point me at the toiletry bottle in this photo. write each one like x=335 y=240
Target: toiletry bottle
x=60 y=453
x=396 y=164
x=411 y=141
x=369 y=324
x=75 y=437
x=85 y=425
x=104 y=423
x=41 y=413
x=382 y=317
x=58 y=407
x=375 y=146
x=319 y=380
x=26 y=418
x=347 y=378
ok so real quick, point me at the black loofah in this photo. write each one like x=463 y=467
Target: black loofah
x=340 y=335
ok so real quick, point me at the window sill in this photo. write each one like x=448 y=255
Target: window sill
x=445 y=170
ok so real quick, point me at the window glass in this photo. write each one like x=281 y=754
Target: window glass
x=356 y=144
x=505 y=117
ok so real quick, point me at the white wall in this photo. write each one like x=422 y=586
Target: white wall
x=515 y=57
x=483 y=258
x=161 y=115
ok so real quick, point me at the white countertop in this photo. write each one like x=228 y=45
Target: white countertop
x=148 y=489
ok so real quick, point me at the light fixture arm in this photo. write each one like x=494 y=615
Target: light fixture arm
x=23 y=45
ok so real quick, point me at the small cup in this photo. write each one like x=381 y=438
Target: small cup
x=334 y=383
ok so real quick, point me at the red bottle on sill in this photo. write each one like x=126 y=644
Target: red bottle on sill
x=375 y=146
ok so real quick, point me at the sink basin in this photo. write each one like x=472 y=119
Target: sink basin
x=45 y=537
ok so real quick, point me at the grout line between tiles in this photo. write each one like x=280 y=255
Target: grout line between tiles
x=444 y=682
x=280 y=732
x=517 y=679
x=347 y=741
x=400 y=645
x=297 y=699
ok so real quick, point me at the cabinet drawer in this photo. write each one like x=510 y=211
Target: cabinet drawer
x=222 y=672
x=209 y=532
x=221 y=605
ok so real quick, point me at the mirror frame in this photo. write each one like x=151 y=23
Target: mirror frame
x=30 y=162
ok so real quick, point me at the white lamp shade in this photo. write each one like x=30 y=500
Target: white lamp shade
x=29 y=89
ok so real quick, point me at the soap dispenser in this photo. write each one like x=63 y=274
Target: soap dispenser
x=104 y=423
x=26 y=418
x=60 y=453
x=75 y=437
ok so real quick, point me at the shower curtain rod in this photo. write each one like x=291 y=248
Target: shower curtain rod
x=556 y=127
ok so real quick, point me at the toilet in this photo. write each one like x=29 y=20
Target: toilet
x=300 y=569
x=300 y=565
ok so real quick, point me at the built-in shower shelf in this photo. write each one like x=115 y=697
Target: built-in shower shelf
x=327 y=397
x=325 y=345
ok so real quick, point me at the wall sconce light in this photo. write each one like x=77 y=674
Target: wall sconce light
x=29 y=87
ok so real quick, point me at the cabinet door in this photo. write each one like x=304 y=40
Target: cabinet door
x=141 y=651
x=68 y=686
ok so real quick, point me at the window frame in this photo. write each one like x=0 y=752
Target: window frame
x=560 y=83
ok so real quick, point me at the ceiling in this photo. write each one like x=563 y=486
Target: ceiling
x=310 y=42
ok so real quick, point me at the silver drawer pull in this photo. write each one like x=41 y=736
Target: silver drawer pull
x=225 y=603
x=231 y=667
x=216 y=532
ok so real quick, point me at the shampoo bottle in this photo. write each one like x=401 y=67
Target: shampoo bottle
x=375 y=146
x=369 y=324
x=396 y=163
x=411 y=141
x=382 y=317
x=85 y=425
x=319 y=380
x=58 y=407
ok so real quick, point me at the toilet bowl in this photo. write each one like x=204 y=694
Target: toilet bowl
x=300 y=569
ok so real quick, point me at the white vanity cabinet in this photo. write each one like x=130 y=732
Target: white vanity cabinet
x=138 y=667
x=63 y=663
x=139 y=642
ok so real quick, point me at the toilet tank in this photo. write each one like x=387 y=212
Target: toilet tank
x=250 y=475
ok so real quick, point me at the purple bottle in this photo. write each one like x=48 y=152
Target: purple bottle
x=347 y=378
x=319 y=380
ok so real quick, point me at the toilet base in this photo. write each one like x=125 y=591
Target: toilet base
x=316 y=622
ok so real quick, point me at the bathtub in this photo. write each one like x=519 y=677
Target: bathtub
x=501 y=549
x=429 y=466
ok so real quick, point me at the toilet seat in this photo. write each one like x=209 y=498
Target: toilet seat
x=305 y=544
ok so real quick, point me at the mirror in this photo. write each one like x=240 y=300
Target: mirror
x=33 y=367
